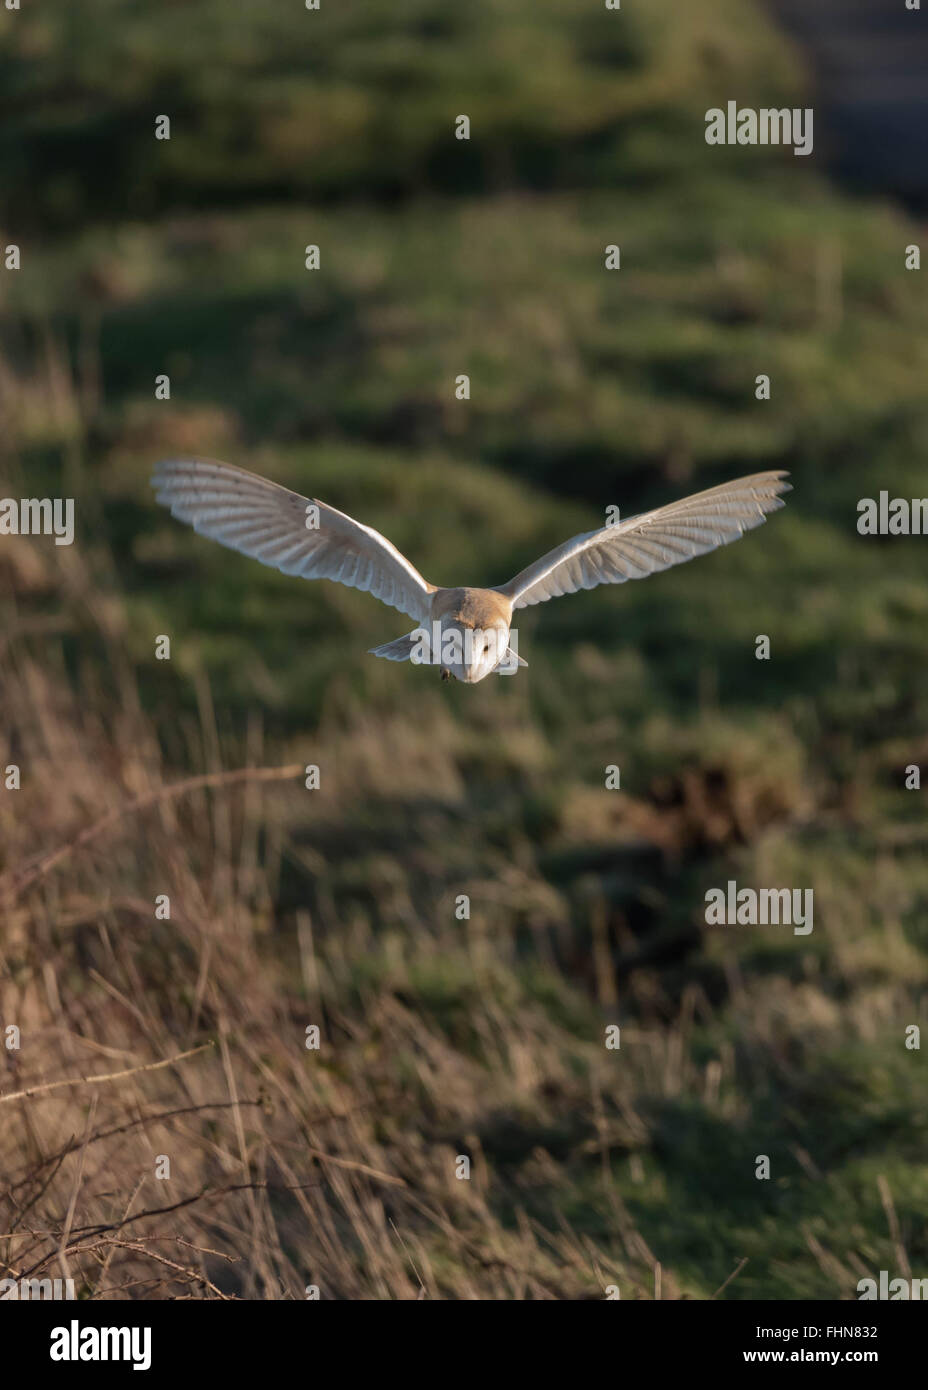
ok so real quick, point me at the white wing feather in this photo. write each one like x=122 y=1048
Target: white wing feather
x=653 y=541
x=269 y=523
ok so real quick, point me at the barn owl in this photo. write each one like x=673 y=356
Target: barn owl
x=466 y=631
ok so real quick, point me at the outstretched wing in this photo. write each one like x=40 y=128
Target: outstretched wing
x=654 y=541
x=292 y=533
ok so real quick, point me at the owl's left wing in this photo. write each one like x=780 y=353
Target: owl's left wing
x=653 y=541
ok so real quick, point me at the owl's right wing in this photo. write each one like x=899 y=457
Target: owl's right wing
x=273 y=525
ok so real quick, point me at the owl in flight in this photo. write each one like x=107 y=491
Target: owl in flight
x=464 y=631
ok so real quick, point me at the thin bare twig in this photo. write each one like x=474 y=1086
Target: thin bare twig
x=734 y=1274
x=16 y=881
x=159 y=1116
x=96 y=1080
x=140 y=1248
x=92 y=1232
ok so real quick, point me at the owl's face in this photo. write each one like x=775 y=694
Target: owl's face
x=470 y=653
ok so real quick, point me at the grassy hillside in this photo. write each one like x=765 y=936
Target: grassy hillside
x=441 y=1036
